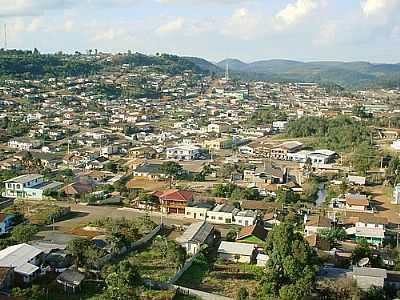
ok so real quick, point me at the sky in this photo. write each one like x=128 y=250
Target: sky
x=250 y=30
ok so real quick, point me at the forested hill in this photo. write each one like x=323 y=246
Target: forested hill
x=348 y=74
x=32 y=64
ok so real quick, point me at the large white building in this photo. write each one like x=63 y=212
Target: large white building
x=184 y=152
x=30 y=186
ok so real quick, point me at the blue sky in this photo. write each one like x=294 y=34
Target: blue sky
x=250 y=30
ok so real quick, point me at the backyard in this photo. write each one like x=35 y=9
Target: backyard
x=223 y=279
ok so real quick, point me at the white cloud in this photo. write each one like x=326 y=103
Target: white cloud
x=243 y=24
x=376 y=7
x=294 y=13
x=171 y=27
x=32 y=7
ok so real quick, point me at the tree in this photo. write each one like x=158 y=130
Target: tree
x=79 y=250
x=171 y=169
x=122 y=282
x=33 y=293
x=23 y=233
x=286 y=196
x=291 y=269
x=333 y=235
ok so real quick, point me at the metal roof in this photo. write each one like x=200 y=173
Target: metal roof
x=25 y=178
x=18 y=255
x=236 y=248
x=196 y=232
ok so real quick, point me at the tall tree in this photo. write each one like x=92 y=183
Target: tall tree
x=292 y=267
x=171 y=169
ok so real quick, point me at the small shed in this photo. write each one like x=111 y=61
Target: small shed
x=70 y=280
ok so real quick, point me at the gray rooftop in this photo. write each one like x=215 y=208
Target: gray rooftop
x=24 y=178
x=196 y=232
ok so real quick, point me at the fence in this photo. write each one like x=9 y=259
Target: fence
x=203 y=295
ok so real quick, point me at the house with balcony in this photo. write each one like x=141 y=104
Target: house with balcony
x=30 y=186
x=175 y=201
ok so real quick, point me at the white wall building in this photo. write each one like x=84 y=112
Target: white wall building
x=184 y=152
x=29 y=186
x=396 y=195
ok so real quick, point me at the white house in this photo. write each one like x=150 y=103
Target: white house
x=184 y=152
x=315 y=224
x=245 y=218
x=25 y=260
x=30 y=186
x=24 y=144
x=198 y=211
x=222 y=214
x=196 y=235
x=237 y=252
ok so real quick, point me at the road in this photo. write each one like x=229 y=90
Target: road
x=84 y=214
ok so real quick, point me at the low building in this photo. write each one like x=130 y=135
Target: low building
x=237 y=252
x=24 y=259
x=70 y=280
x=315 y=224
x=31 y=186
x=245 y=218
x=195 y=236
x=198 y=211
x=222 y=214
x=281 y=151
x=369 y=277
x=366 y=226
x=252 y=234
x=262 y=259
x=357 y=202
x=24 y=143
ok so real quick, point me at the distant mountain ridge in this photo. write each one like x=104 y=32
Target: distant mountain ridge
x=347 y=74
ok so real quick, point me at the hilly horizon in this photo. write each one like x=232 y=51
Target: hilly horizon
x=347 y=74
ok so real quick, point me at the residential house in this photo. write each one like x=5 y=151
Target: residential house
x=357 y=202
x=268 y=173
x=25 y=260
x=24 y=143
x=366 y=226
x=197 y=211
x=195 y=236
x=148 y=171
x=318 y=242
x=175 y=201
x=252 y=234
x=77 y=188
x=281 y=151
x=315 y=224
x=245 y=218
x=184 y=152
x=237 y=252
x=31 y=186
x=218 y=127
x=217 y=144
x=222 y=214
x=321 y=157
x=357 y=180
